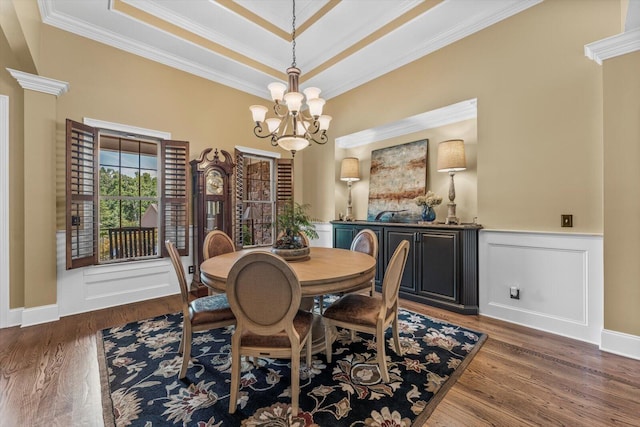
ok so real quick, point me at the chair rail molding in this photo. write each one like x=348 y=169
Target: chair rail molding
x=559 y=276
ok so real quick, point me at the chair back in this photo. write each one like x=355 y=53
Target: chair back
x=216 y=243
x=366 y=242
x=264 y=293
x=179 y=268
x=393 y=276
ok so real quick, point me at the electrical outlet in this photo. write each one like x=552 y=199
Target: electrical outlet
x=192 y=269
x=514 y=292
x=567 y=220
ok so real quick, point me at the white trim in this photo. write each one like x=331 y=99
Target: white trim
x=102 y=124
x=560 y=277
x=325 y=235
x=38 y=315
x=39 y=83
x=454 y=113
x=619 y=343
x=4 y=213
x=258 y=152
x=613 y=46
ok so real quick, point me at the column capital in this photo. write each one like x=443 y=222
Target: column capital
x=39 y=83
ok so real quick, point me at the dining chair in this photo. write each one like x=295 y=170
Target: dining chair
x=199 y=314
x=370 y=314
x=217 y=242
x=264 y=294
x=366 y=242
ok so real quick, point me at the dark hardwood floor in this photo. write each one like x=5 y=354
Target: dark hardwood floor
x=520 y=377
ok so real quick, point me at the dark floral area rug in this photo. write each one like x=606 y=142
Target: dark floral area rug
x=140 y=363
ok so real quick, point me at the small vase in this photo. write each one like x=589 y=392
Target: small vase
x=428 y=214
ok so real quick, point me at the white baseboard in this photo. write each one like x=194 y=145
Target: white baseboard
x=41 y=314
x=559 y=275
x=619 y=343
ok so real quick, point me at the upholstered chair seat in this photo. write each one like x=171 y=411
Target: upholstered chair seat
x=301 y=324
x=355 y=308
x=210 y=309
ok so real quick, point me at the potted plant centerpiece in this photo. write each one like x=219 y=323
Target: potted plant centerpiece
x=293 y=224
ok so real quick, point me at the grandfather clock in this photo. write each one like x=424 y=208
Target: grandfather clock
x=211 y=200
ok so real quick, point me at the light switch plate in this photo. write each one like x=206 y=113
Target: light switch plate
x=567 y=220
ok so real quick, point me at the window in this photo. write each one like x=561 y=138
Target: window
x=125 y=196
x=263 y=184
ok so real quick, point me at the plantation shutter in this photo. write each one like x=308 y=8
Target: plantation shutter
x=284 y=183
x=174 y=211
x=238 y=209
x=81 y=195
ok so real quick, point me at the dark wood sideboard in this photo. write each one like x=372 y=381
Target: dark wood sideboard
x=442 y=268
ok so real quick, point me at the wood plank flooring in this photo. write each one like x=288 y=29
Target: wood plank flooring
x=520 y=377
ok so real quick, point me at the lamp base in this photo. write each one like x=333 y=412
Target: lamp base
x=349 y=215
x=451 y=214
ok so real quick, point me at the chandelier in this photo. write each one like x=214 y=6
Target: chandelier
x=296 y=123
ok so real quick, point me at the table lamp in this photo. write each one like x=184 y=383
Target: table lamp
x=349 y=171
x=451 y=159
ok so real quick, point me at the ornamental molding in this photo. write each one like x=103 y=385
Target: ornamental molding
x=39 y=83
x=617 y=45
x=454 y=113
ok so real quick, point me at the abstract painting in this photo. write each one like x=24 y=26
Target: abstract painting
x=398 y=174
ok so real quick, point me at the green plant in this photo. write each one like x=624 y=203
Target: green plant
x=291 y=223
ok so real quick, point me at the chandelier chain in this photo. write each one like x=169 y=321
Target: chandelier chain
x=293 y=34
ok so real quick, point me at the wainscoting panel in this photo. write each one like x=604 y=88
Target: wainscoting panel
x=102 y=286
x=558 y=278
x=325 y=235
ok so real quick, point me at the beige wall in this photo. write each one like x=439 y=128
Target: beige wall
x=10 y=87
x=539 y=126
x=622 y=193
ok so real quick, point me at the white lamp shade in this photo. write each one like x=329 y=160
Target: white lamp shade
x=451 y=156
x=292 y=143
x=324 y=121
x=350 y=169
x=277 y=91
x=312 y=93
x=315 y=106
x=259 y=112
x=294 y=101
x=273 y=124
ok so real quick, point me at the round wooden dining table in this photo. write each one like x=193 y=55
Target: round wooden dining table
x=326 y=271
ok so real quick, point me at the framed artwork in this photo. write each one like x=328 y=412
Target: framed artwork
x=397 y=175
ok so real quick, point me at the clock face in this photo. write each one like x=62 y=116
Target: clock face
x=215 y=183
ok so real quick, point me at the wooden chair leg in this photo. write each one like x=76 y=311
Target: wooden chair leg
x=328 y=340
x=236 y=366
x=295 y=380
x=185 y=342
x=396 y=335
x=382 y=361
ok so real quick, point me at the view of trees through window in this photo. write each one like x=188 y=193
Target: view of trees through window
x=128 y=190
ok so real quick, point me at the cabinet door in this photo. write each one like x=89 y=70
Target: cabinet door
x=342 y=236
x=438 y=265
x=392 y=239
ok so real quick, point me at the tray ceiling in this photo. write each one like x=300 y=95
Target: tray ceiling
x=246 y=44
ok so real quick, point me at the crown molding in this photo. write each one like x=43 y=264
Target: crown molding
x=617 y=45
x=39 y=83
x=83 y=29
x=454 y=113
